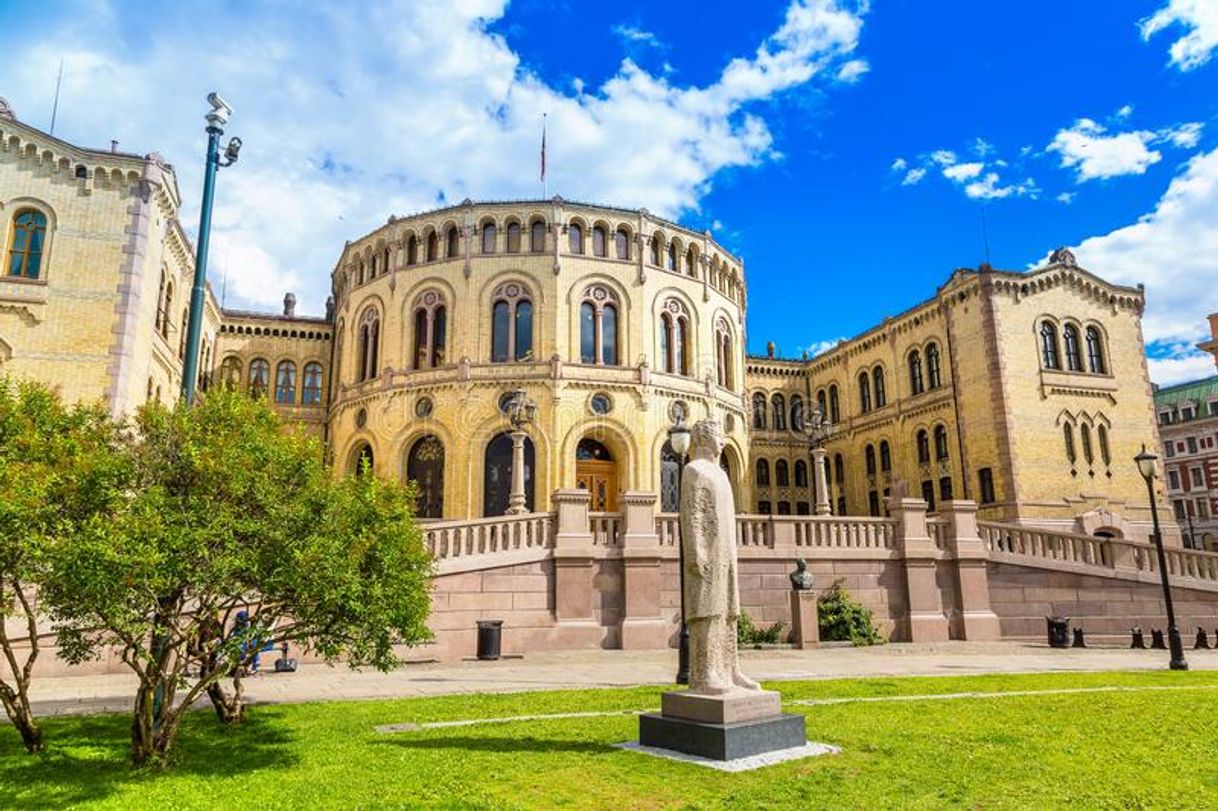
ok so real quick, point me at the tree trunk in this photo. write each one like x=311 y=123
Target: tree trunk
x=230 y=709
x=152 y=735
x=17 y=708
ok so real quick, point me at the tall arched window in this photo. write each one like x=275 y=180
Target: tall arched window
x=412 y=250
x=425 y=467
x=1049 y=357
x=598 y=326
x=311 y=393
x=575 y=238
x=161 y=315
x=511 y=323
x=916 y=384
x=763 y=473
x=885 y=456
x=782 y=474
x=362 y=461
x=537 y=237
x=497 y=475
x=185 y=323
x=933 y=373
x=839 y=470
x=1095 y=352
x=670 y=495
x=655 y=250
x=513 y=237
x=369 y=345
x=691 y=263
x=869 y=459
x=670 y=256
x=923 y=443
x=260 y=377
x=822 y=403
x=1088 y=452
x=801 y=473
x=27 y=238
x=940 y=442
x=864 y=392
x=285 y=383
x=430 y=330
x=433 y=247
x=489 y=235
x=759 y=409
x=835 y=408
x=230 y=372
x=723 y=353
x=621 y=243
x=779 y=404
x=797 y=413
x=1074 y=359
x=1105 y=455
x=600 y=245
x=453 y=237
x=877 y=383
x=1068 y=434
x=168 y=308
x=675 y=345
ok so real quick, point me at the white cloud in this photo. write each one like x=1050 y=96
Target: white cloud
x=1173 y=250
x=1093 y=153
x=820 y=347
x=632 y=35
x=1197 y=46
x=1066 y=197
x=899 y=165
x=977 y=179
x=1125 y=112
x=989 y=188
x=913 y=177
x=1182 y=364
x=415 y=104
x=943 y=157
x=983 y=147
x=1185 y=136
x=959 y=172
x=852 y=71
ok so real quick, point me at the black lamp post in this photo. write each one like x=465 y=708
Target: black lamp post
x=1146 y=466
x=678 y=440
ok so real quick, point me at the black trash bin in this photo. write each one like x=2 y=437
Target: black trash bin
x=1059 y=631
x=490 y=635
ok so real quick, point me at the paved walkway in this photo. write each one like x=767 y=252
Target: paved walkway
x=610 y=668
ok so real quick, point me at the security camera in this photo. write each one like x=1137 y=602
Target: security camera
x=220 y=111
x=230 y=151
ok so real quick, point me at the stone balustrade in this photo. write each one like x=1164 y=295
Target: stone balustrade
x=486 y=542
x=606 y=529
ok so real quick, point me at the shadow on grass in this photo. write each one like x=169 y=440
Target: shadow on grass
x=505 y=745
x=88 y=757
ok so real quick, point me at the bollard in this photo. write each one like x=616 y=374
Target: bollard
x=1202 y=642
x=1059 y=630
x=1079 y=642
x=1156 y=640
x=1138 y=640
x=490 y=634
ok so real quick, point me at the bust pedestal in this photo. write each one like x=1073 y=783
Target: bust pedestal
x=805 y=621
x=737 y=724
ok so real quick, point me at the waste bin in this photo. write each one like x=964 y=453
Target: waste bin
x=1059 y=631
x=490 y=634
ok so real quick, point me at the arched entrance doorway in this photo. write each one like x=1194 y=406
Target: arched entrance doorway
x=596 y=472
x=670 y=496
x=361 y=460
x=497 y=475
x=425 y=467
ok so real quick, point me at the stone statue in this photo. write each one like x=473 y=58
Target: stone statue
x=712 y=596
x=801 y=578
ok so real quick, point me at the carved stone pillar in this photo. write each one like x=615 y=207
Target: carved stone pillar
x=573 y=591
x=978 y=622
x=517 y=503
x=820 y=462
x=927 y=622
x=643 y=626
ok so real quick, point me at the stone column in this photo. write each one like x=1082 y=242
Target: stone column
x=643 y=626
x=517 y=503
x=573 y=590
x=927 y=622
x=820 y=461
x=978 y=621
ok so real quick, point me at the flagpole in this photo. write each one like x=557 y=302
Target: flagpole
x=545 y=186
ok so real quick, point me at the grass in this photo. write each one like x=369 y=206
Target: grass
x=1128 y=749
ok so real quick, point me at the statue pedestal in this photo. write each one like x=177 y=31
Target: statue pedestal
x=805 y=621
x=734 y=725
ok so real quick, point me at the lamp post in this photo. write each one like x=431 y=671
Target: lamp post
x=521 y=412
x=216 y=119
x=678 y=440
x=1146 y=466
x=818 y=429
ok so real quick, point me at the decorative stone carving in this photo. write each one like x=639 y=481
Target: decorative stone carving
x=1063 y=256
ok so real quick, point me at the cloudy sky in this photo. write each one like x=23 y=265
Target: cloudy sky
x=854 y=153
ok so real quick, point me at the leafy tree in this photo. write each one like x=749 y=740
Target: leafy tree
x=58 y=467
x=843 y=619
x=231 y=513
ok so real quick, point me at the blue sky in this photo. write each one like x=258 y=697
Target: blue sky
x=847 y=151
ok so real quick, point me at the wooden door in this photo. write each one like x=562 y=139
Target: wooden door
x=600 y=480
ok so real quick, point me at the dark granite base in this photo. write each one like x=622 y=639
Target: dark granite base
x=722 y=741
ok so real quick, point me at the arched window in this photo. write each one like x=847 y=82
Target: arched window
x=801 y=473
x=655 y=250
x=161 y=315
x=182 y=334
x=369 y=345
x=600 y=245
x=782 y=475
x=822 y=403
x=453 y=237
x=691 y=263
x=537 y=237
x=513 y=237
x=839 y=471
x=940 y=442
x=1074 y=359
x=1068 y=434
x=723 y=354
x=412 y=250
x=230 y=372
x=864 y=392
x=877 y=383
x=1105 y=455
x=835 y=410
x=675 y=348
x=779 y=405
x=489 y=235
x=27 y=239
x=598 y=326
x=916 y=385
x=670 y=495
x=1088 y=454
x=260 y=377
x=311 y=393
x=797 y=413
x=1095 y=352
x=497 y=475
x=763 y=473
x=759 y=409
x=869 y=459
x=575 y=238
x=425 y=467
x=362 y=461
x=1049 y=357
x=430 y=330
x=885 y=457
x=167 y=309
x=923 y=443
x=285 y=383
x=670 y=256
x=932 y=366
x=511 y=324
x=621 y=243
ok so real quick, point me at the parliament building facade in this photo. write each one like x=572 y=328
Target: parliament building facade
x=1027 y=392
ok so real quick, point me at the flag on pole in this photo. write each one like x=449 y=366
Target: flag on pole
x=543 y=147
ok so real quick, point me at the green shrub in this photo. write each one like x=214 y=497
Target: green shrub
x=749 y=634
x=844 y=619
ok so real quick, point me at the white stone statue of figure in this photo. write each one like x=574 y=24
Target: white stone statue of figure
x=712 y=595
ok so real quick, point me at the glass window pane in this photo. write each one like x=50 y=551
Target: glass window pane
x=609 y=335
x=524 y=330
x=587 y=334
x=499 y=332
x=439 y=336
x=420 y=338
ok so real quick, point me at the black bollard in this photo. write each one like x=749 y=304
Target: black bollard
x=1079 y=642
x=1058 y=631
x=1138 y=640
x=1156 y=640
x=1203 y=642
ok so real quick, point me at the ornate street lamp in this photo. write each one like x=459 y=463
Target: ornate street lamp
x=1146 y=466
x=521 y=412
x=818 y=430
x=678 y=440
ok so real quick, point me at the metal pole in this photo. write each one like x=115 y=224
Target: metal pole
x=683 y=639
x=194 y=331
x=1192 y=538
x=1173 y=633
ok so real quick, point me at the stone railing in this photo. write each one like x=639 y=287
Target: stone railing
x=606 y=529
x=936 y=528
x=1012 y=539
x=489 y=537
x=667 y=529
x=847 y=532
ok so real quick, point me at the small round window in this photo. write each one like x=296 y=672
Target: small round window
x=505 y=401
x=678 y=411
x=423 y=408
x=361 y=418
x=600 y=403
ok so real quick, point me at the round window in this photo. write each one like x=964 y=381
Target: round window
x=423 y=408
x=361 y=418
x=505 y=401
x=678 y=411
x=600 y=403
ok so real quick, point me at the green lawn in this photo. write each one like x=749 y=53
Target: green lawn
x=1131 y=749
